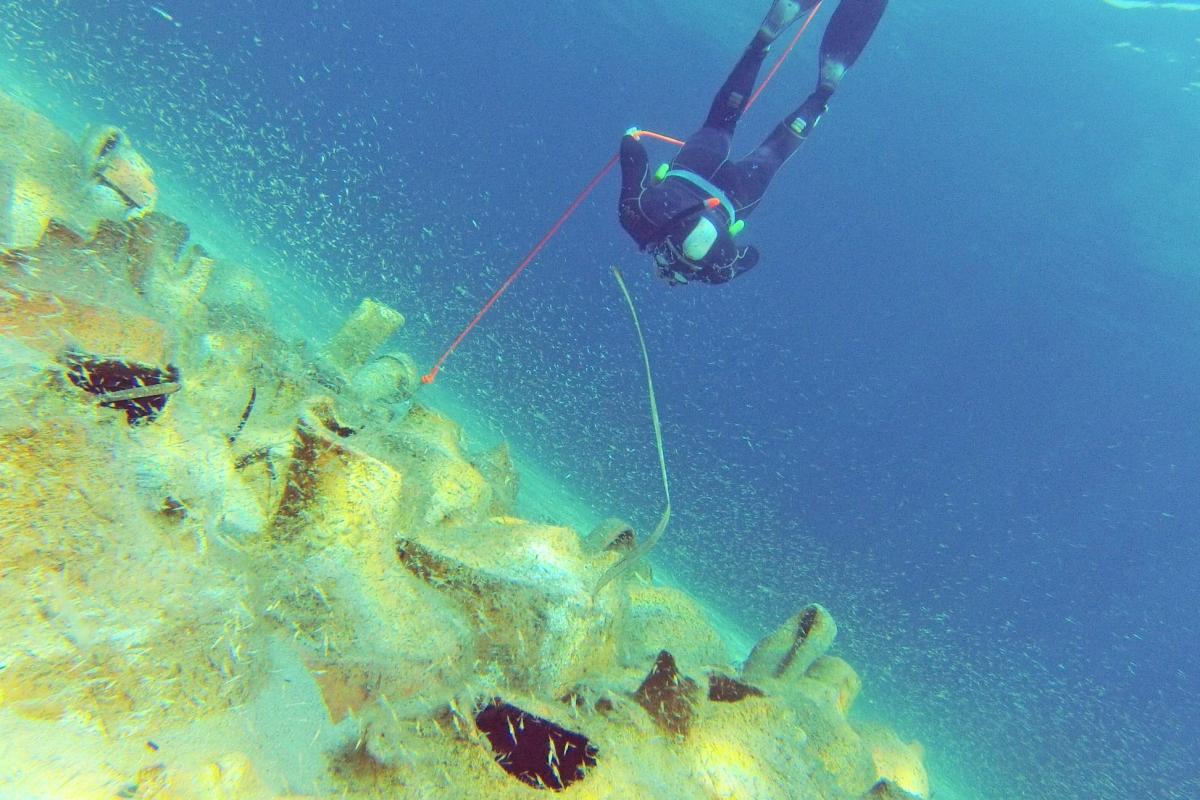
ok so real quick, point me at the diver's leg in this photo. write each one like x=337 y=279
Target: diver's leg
x=782 y=14
x=707 y=150
x=849 y=30
x=731 y=99
x=704 y=152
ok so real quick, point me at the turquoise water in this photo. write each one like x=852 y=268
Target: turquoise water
x=955 y=404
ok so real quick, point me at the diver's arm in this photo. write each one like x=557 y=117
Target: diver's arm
x=727 y=262
x=744 y=260
x=634 y=179
x=634 y=165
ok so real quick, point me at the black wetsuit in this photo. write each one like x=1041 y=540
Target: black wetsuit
x=659 y=215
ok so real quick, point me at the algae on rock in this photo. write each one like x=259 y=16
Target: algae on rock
x=330 y=553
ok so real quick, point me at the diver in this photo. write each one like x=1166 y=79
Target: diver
x=687 y=213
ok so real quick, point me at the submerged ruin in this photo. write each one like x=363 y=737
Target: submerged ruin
x=241 y=565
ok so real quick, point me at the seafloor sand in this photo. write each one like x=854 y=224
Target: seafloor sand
x=239 y=563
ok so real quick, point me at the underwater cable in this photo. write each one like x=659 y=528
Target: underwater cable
x=636 y=554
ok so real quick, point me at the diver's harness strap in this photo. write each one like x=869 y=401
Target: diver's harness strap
x=707 y=188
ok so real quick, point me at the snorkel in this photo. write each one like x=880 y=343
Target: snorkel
x=698 y=208
x=687 y=235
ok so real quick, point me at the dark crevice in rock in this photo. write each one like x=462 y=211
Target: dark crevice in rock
x=723 y=689
x=886 y=790
x=113 y=377
x=173 y=509
x=803 y=629
x=535 y=750
x=333 y=426
x=253 y=457
x=667 y=696
x=245 y=416
x=579 y=701
x=324 y=413
x=354 y=763
x=611 y=536
x=312 y=451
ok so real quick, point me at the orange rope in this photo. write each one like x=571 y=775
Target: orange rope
x=660 y=137
x=432 y=374
x=782 y=58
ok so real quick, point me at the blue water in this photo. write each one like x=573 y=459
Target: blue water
x=956 y=403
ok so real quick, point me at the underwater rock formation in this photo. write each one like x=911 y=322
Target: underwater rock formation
x=664 y=618
x=523 y=586
x=611 y=535
x=46 y=176
x=293 y=575
x=839 y=678
x=897 y=763
x=121 y=618
x=793 y=647
x=364 y=332
x=387 y=381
